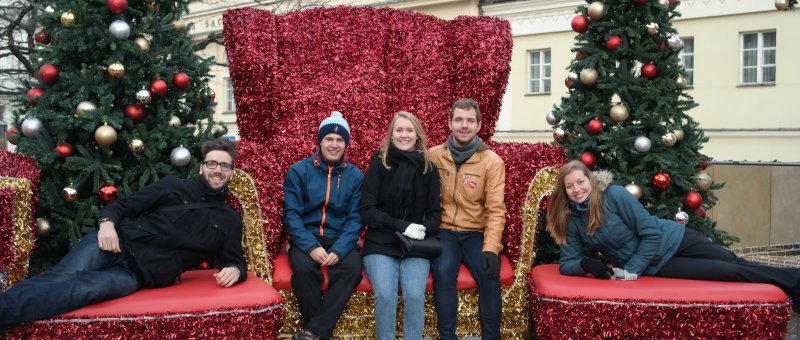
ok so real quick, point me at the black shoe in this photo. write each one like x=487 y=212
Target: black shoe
x=305 y=335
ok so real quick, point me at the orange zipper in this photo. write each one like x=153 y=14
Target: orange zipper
x=327 y=199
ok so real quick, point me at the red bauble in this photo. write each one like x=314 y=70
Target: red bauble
x=662 y=45
x=700 y=212
x=34 y=94
x=48 y=73
x=181 y=80
x=649 y=71
x=64 y=150
x=158 y=87
x=640 y=2
x=613 y=43
x=595 y=126
x=661 y=181
x=672 y=2
x=12 y=134
x=42 y=37
x=135 y=112
x=117 y=6
x=580 y=23
x=588 y=159
x=108 y=193
x=692 y=200
x=703 y=164
x=568 y=83
x=578 y=55
x=212 y=95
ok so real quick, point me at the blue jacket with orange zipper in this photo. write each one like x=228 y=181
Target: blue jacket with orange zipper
x=323 y=200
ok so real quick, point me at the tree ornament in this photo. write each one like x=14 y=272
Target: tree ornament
x=552 y=119
x=651 y=28
x=136 y=145
x=179 y=25
x=588 y=159
x=116 y=70
x=158 y=87
x=580 y=23
x=31 y=127
x=134 y=112
x=572 y=77
x=558 y=134
x=664 y=3
x=108 y=193
x=678 y=134
x=596 y=10
x=211 y=95
x=649 y=70
x=12 y=134
x=569 y=83
x=703 y=164
x=174 y=121
x=702 y=181
x=64 y=150
x=143 y=97
x=681 y=217
x=49 y=9
x=48 y=74
x=595 y=126
x=42 y=37
x=674 y=42
x=661 y=181
x=692 y=200
x=635 y=190
x=69 y=193
x=578 y=55
x=84 y=107
x=618 y=113
x=105 y=135
x=668 y=139
x=181 y=80
x=588 y=76
x=43 y=226
x=117 y=6
x=142 y=44
x=613 y=43
x=34 y=94
x=640 y=2
x=782 y=5
x=672 y=2
x=700 y=212
x=642 y=144
x=68 y=18
x=681 y=81
x=180 y=156
x=120 y=29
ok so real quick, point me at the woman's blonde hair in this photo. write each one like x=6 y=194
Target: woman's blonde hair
x=558 y=207
x=420 y=146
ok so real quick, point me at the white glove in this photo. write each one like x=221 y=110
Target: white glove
x=621 y=274
x=415 y=231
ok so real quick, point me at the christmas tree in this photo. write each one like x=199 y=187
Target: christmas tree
x=120 y=101
x=627 y=110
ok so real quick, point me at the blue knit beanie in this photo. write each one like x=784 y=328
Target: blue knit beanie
x=334 y=124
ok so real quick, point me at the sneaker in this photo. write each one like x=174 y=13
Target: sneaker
x=306 y=335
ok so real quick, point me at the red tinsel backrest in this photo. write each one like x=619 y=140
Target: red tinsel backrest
x=289 y=72
x=15 y=248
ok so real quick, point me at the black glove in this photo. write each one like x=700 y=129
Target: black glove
x=491 y=264
x=596 y=268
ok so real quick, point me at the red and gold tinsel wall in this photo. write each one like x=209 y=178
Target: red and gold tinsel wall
x=19 y=182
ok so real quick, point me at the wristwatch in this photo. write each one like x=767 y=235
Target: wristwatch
x=104 y=219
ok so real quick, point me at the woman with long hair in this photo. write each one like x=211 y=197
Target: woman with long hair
x=400 y=193
x=585 y=209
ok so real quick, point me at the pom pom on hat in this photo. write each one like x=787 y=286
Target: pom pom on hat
x=334 y=124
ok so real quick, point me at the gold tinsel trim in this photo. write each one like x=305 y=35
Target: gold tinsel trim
x=243 y=188
x=21 y=223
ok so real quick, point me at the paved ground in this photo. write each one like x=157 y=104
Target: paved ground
x=794 y=328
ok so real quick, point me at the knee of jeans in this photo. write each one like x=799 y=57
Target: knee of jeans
x=385 y=296
x=413 y=298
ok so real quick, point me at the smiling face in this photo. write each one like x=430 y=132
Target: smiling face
x=332 y=147
x=217 y=178
x=404 y=137
x=464 y=125
x=577 y=185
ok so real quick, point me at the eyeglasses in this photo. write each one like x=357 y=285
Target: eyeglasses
x=214 y=164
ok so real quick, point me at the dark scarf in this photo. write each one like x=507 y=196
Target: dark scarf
x=462 y=153
x=407 y=186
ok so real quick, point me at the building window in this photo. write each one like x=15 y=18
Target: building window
x=686 y=57
x=538 y=71
x=230 y=104
x=758 y=58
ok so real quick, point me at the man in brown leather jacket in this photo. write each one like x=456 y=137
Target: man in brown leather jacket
x=473 y=217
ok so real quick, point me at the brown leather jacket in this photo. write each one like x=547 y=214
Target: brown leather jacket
x=473 y=197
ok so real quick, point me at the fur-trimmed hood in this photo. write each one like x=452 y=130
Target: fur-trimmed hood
x=604 y=179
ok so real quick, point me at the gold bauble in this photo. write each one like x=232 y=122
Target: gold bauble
x=68 y=18
x=678 y=134
x=635 y=190
x=782 y=5
x=105 y=135
x=588 y=76
x=179 y=25
x=664 y=3
x=618 y=113
x=136 y=145
x=668 y=139
x=84 y=107
x=651 y=28
x=682 y=82
x=69 y=193
x=174 y=121
x=702 y=181
x=116 y=70
x=596 y=10
x=142 y=44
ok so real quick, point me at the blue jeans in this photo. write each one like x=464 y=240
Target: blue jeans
x=464 y=247
x=384 y=272
x=85 y=276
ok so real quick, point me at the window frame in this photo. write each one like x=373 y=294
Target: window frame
x=544 y=82
x=683 y=55
x=760 y=65
x=230 y=102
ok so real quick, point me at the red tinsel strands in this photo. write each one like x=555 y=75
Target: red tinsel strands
x=18 y=166
x=6 y=228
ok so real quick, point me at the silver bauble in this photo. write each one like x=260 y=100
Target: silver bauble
x=664 y=3
x=175 y=121
x=180 y=156
x=681 y=217
x=642 y=144
x=143 y=97
x=674 y=42
x=782 y=5
x=120 y=29
x=678 y=134
x=702 y=181
x=31 y=127
x=552 y=119
x=558 y=133
x=652 y=28
x=635 y=190
x=596 y=10
x=618 y=113
x=84 y=107
x=588 y=76
x=572 y=76
x=668 y=139
x=681 y=81
x=43 y=226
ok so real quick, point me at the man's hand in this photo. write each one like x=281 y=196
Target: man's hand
x=107 y=238
x=227 y=276
x=330 y=260
x=491 y=264
x=319 y=255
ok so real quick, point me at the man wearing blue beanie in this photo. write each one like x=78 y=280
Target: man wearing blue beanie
x=320 y=212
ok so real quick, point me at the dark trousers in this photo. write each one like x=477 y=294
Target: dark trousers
x=466 y=247
x=698 y=258
x=321 y=311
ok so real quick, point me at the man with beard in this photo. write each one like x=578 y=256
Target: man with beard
x=321 y=214
x=144 y=240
